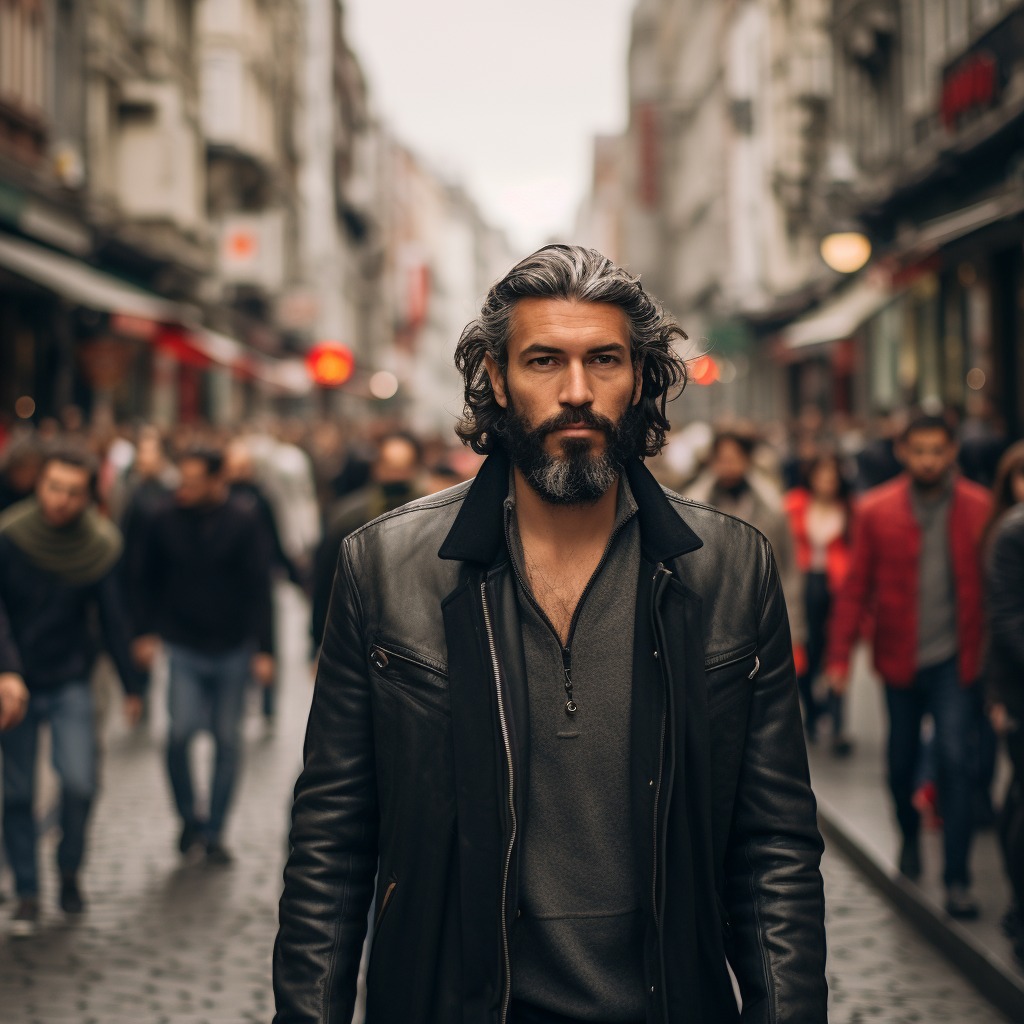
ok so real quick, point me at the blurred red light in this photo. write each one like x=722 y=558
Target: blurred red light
x=704 y=370
x=330 y=364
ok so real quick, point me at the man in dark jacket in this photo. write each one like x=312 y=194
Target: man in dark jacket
x=57 y=559
x=206 y=594
x=556 y=715
x=1004 y=670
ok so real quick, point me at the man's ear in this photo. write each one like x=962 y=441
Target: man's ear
x=638 y=377
x=497 y=381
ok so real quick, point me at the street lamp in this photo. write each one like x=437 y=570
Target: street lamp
x=846 y=251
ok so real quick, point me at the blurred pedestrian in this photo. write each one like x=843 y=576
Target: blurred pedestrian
x=733 y=486
x=916 y=564
x=21 y=463
x=146 y=488
x=1007 y=490
x=819 y=515
x=1004 y=663
x=57 y=559
x=877 y=461
x=206 y=595
x=240 y=474
x=394 y=477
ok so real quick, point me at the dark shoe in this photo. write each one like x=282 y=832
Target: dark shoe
x=191 y=837
x=217 y=856
x=910 y=861
x=960 y=903
x=25 y=919
x=71 y=901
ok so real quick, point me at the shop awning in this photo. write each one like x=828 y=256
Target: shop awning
x=841 y=315
x=934 y=234
x=179 y=330
x=87 y=286
x=199 y=346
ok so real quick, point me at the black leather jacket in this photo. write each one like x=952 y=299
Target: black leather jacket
x=416 y=757
x=1004 y=594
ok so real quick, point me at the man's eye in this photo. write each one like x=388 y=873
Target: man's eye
x=605 y=360
x=542 y=361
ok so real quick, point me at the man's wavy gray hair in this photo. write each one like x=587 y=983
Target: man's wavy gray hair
x=582 y=275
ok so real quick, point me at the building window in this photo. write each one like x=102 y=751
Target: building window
x=22 y=56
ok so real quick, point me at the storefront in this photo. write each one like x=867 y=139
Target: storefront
x=71 y=335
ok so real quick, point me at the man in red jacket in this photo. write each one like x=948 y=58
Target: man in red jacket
x=916 y=567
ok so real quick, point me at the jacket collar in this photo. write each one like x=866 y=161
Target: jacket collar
x=478 y=533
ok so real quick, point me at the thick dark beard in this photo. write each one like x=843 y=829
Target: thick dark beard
x=577 y=477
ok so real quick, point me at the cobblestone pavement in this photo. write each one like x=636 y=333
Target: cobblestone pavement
x=168 y=943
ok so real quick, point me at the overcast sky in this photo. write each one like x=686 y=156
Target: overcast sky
x=502 y=97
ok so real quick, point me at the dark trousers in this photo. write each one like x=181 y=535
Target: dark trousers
x=1011 y=825
x=69 y=710
x=936 y=690
x=818 y=602
x=206 y=691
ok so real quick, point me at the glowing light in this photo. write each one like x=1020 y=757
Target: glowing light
x=330 y=363
x=24 y=407
x=705 y=370
x=976 y=378
x=846 y=251
x=383 y=384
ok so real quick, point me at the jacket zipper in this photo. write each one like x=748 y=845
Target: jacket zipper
x=570 y=704
x=661 y=574
x=661 y=751
x=511 y=800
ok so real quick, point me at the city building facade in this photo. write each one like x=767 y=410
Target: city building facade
x=758 y=129
x=193 y=193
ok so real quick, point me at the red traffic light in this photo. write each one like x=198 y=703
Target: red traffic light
x=330 y=363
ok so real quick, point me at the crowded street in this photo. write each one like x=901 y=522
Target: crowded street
x=183 y=944
x=511 y=513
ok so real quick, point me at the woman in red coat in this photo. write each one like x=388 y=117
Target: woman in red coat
x=819 y=516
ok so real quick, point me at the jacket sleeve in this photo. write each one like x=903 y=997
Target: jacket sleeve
x=257 y=567
x=330 y=872
x=851 y=601
x=117 y=631
x=10 y=659
x=1006 y=593
x=774 y=890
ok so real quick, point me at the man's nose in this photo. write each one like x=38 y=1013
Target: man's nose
x=576 y=390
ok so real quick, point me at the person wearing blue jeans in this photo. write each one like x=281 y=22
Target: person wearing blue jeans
x=207 y=691
x=935 y=690
x=57 y=568
x=204 y=591
x=69 y=711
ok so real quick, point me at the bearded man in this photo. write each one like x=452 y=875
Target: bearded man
x=556 y=715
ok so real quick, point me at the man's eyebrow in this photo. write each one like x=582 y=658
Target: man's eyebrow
x=538 y=349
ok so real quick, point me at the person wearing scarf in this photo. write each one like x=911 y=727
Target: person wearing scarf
x=57 y=556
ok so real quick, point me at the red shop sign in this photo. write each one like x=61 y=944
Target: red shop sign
x=972 y=83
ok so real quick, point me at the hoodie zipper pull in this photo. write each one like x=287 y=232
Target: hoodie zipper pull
x=570 y=704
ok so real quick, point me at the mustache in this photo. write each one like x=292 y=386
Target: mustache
x=584 y=416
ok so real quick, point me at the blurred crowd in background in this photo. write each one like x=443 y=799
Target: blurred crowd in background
x=295 y=488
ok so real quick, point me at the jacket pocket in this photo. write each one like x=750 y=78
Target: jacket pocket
x=729 y=676
x=411 y=675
